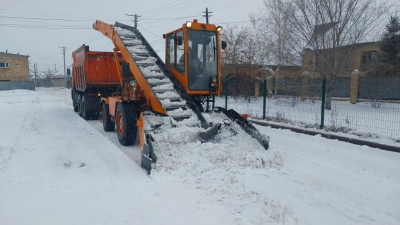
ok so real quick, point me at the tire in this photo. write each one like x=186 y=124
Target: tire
x=126 y=125
x=74 y=100
x=79 y=103
x=94 y=115
x=108 y=125
x=85 y=112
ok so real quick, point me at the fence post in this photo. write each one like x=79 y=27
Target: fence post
x=354 y=87
x=226 y=95
x=264 y=97
x=323 y=103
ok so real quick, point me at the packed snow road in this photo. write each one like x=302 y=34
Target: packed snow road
x=56 y=168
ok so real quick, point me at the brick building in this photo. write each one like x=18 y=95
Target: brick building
x=360 y=57
x=13 y=67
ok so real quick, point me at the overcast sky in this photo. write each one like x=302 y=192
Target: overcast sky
x=38 y=28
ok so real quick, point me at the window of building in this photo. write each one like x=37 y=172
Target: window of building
x=4 y=65
x=368 y=58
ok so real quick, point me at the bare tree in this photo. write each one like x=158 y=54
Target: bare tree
x=330 y=28
x=236 y=38
x=275 y=37
x=49 y=74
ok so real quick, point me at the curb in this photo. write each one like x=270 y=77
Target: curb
x=356 y=141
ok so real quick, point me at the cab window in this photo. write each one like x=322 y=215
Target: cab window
x=180 y=54
x=171 y=50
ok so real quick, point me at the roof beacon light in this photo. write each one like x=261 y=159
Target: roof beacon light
x=194 y=20
x=189 y=24
x=219 y=28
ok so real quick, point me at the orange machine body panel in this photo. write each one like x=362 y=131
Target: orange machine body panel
x=108 y=31
x=93 y=69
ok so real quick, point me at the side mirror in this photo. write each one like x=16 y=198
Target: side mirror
x=224 y=45
x=69 y=72
x=125 y=70
x=179 y=40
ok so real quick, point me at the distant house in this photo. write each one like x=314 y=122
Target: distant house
x=13 y=67
x=357 y=57
x=59 y=81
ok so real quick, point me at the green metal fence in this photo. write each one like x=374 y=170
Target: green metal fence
x=303 y=103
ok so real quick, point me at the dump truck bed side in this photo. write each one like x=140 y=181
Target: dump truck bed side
x=94 y=70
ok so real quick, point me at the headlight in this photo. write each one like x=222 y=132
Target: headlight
x=214 y=80
x=219 y=28
x=132 y=82
x=189 y=24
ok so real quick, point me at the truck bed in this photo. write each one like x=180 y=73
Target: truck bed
x=94 y=71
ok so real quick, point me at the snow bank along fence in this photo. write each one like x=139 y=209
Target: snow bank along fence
x=12 y=85
x=363 y=105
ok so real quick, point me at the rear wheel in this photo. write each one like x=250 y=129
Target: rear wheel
x=79 y=98
x=74 y=102
x=126 y=124
x=85 y=112
x=108 y=125
x=94 y=115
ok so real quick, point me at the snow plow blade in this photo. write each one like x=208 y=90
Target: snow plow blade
x=245 y=125
x=209 y=134
x=148 y=156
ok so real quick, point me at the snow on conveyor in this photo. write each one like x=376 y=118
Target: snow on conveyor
x=160 y=84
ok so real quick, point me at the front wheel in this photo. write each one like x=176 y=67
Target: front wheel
x=126 y=125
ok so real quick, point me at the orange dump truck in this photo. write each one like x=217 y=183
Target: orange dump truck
x=95 y=76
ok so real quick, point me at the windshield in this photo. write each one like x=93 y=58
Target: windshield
x=202 y=59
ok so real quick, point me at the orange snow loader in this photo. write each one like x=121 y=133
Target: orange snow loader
x=152 y=94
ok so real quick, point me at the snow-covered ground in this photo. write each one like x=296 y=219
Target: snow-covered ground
x=362 y=120
x=56 y=168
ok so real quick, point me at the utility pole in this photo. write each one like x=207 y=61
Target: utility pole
x=207 y=15
x=55 y=68
x=35 y=70
x=135 y=18
x=65 y=76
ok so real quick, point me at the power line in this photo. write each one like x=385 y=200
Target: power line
x=149 y=31
x=43 y=27
x=169 y=6
x=183 y=7
x=136 y=16
x=48 y=19
x=161 y=6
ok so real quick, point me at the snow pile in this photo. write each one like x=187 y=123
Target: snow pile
x=220 y=168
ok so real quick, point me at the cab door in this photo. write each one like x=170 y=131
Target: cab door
x=176 y=58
